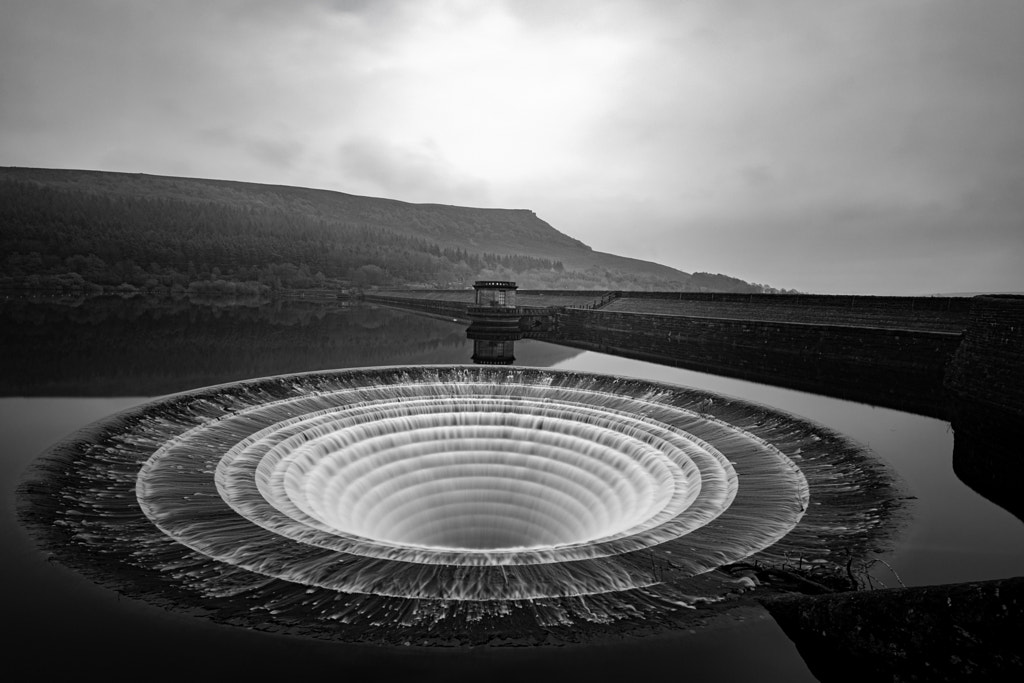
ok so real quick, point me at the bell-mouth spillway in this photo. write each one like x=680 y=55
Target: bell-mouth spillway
x=378 y=503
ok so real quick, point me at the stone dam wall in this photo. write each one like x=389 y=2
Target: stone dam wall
x=443 y=307
x=988 y=367
x=938 y=314
x=454 y=303
x=893 y=367
x=528 y=298
x=965 y=631
x=921 y=354
x=986 y=377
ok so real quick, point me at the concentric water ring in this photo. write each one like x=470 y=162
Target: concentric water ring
x=530 y=462
x=455 y=485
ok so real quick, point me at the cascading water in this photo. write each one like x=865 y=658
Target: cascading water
x=378 y=503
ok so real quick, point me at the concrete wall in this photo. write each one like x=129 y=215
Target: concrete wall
x=961 y=305
x=955 y=632
x=896 y=368
x=452 y=309
x=988 y=368
x=940 y=314
x=524 y=298
x=900 y=352
x=467 y=296
x=986 y=380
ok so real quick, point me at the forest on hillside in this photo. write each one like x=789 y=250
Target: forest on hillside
x=66 y=239
x=59 y=239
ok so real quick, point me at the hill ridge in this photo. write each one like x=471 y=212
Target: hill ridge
x=203 y=229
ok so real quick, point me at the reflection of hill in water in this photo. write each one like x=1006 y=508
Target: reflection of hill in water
x=114 y=347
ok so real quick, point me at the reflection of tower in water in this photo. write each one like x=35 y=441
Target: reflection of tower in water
x=494 y=326
x=497 y=350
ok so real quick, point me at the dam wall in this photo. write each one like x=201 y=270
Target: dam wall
x=436 y=306
x=986 y=381
x=955 y=632
x=988 y=367
x=528 y=298
x=920 y=354
x=892 y=367
x=939 y=314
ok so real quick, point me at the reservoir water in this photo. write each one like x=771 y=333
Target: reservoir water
x=67 y=364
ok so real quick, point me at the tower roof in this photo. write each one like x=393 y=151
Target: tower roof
x=494 y=284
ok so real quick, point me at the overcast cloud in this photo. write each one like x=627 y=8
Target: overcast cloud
x=868 y=146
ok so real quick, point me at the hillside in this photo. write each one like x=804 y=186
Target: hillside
x=66 y=226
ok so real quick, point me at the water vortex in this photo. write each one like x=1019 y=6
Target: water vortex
x=393 y=499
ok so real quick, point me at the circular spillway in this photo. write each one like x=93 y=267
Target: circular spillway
x=317 y=496
x=474 y=478
x=509 y=478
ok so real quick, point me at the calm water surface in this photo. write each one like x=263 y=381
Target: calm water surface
x=68 y=366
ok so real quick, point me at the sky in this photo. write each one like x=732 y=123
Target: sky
x=847 y=146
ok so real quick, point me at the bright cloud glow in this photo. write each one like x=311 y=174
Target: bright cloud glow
x=836 y=147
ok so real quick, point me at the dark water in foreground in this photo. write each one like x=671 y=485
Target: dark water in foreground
x=65 y=366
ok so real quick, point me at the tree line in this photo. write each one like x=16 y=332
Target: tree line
x=88 y=240
x=64 y=239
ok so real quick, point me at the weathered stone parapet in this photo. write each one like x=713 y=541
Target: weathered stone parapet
x=986 y=381
x=902 y=369
x=968 y=631
x=909 y=353
x=988 y=367
x=950 y=305
x=937 y=314
x=455 y=309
